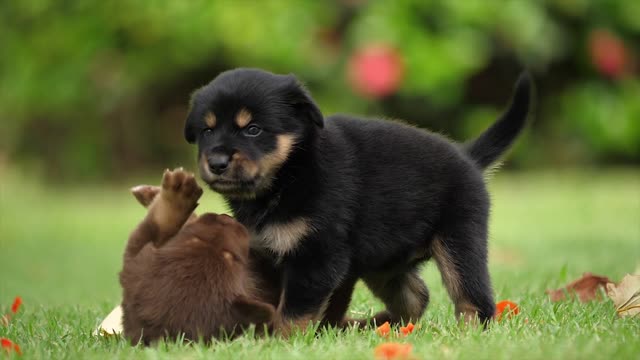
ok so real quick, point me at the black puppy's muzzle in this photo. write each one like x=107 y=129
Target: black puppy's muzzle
x=218 y=162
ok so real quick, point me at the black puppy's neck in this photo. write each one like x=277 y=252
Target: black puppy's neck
x=292 y=187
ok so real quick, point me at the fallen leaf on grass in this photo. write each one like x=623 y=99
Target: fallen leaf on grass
x=10 y=346
x=585 y=288
x=384 y=330
x=6 y=318
x=510 y=307
x=16 y=304
x=389 y=351
x=626 y=295
x=406 y=330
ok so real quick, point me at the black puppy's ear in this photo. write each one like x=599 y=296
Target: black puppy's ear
x=302 y=101
x=248 y=311
x=190 y=131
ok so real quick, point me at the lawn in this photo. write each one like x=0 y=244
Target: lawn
x=61 y=248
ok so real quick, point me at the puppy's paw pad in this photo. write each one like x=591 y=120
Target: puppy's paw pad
x=180 y=188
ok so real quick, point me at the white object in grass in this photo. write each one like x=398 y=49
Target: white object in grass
x=112 y=324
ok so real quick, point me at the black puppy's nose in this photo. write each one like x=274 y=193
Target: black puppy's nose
x=218 y=163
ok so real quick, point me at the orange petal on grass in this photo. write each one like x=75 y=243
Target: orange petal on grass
x=9 y=346
x=384 y=330
x=16 y=304
x=406 y=330
x=511 y=308
x=388 y=351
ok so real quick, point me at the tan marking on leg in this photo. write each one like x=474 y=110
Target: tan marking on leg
x=412 y=302
x=243 y=118
x=404 y=295
x=448 y=271
x=322 y=309
x=284 y=237
x=210 y=119
x=467 y=311
x=451 y=280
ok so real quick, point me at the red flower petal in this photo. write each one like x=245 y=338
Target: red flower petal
x=16 y=304
x=406 y=330
x=384 y=329
x=9 y=346
x=509 y=306
x=388 y=351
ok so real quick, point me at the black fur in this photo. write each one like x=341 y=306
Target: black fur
x=380 y=197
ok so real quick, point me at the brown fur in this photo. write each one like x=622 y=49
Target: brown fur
x=192 y=278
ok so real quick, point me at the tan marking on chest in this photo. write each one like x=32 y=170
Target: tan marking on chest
x=284 y=237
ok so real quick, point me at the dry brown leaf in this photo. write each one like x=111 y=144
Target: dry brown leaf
x=626 y=295
x=586 y=288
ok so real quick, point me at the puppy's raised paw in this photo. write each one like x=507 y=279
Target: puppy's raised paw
x=180 y=189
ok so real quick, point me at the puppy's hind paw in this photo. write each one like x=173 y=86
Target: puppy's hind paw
x=145 y=193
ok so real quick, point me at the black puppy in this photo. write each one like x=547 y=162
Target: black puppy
x=332 y=200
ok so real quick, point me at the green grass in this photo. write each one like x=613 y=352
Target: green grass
x=60 y=249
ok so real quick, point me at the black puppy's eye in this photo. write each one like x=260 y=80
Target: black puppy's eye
x=252 y=130
x=207 y=131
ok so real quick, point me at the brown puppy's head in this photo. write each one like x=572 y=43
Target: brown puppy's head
x=218 y=251
x=221 y=236
x=247 y=123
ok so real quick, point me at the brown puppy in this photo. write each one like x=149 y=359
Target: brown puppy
x=187 y=277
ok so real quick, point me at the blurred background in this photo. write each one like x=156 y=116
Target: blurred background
x=93 y=90
x=93 y=97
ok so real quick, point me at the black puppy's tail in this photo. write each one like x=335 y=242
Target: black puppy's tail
x=494 y=141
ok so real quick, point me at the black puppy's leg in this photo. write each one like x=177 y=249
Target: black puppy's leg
x=310 y=279
x=339 y=303
x=404 y=294
x=461 y=255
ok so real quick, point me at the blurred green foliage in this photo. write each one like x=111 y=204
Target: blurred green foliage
x=90 y=88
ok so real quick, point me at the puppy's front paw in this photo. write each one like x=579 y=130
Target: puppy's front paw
x=180 y=190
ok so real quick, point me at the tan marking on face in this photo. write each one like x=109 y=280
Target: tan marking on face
x=282 y=238
x=205 y=172
x=270 y=163
x=243 y=118
x=249 y=167
x=210 y=120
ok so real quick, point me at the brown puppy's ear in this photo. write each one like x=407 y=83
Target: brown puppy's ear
x=248 y=311
x=302 y=101
x=145 y=193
